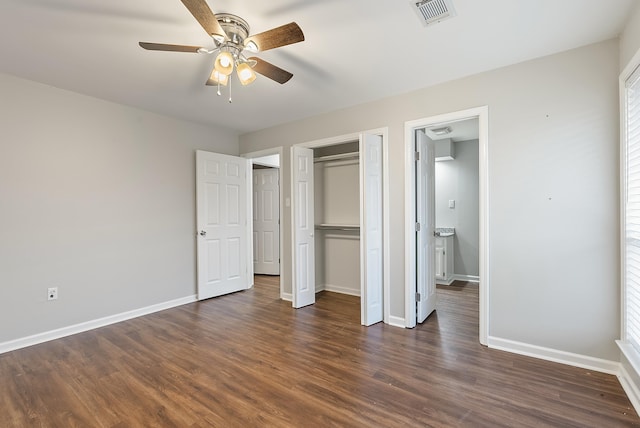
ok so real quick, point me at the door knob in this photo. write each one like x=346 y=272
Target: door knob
x=203 y=233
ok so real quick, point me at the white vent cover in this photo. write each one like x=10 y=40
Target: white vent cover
x=433 y=11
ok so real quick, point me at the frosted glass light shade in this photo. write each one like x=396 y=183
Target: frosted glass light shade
x=224 y=63
x=246 y=74
x=219 y=78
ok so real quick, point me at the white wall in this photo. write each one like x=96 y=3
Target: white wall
x=97 y=199
x=553 y=185
x=458 y=179
x=630 y=38
x=337 y=201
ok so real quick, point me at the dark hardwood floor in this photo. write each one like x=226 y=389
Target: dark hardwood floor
x=250 y=360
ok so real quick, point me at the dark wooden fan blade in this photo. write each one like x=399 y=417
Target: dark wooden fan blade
x=203 y=14
x=271 y=71
x=281 y=36
x=169 y=48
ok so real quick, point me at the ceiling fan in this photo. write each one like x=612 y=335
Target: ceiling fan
x=230 y=34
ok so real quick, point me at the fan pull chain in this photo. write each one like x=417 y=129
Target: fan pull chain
x=230 y=100
x=219 y=93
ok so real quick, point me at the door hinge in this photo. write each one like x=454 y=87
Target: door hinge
x=417 y=227
x=418 y=297
x=416 y=156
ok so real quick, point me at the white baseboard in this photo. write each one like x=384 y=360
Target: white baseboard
x=342 y=290
x=397 y=321
x=286 y=296
x=630 y=388
x=549 y=354
x=629 y=375
x=46 y=336
x=467 y=278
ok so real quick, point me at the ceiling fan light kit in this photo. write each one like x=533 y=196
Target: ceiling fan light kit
x=224 y=63
x=245 y=74
x=230 y=34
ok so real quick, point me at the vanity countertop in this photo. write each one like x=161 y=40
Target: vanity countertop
x=445 y=231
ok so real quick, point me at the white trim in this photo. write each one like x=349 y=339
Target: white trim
x=555 y=355
x=630 y=354
x=386 y=236
x=628 y=70
x=445 y=281
x=288 y=297
x=46 y=336
x=467 y=278
x=630 y=388
x=341 y=290
x=331 y=141
x=629 y=381
x=409 y=226
x=482 y=113
x=258 y=154
x=397 y=321
x=352 y=138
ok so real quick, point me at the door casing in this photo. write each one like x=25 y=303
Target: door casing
x=258 y=154
x=482 y=114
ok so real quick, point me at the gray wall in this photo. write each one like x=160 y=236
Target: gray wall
x=97 y=199
x=458 y=179
x=553 y=188
x=630 y=38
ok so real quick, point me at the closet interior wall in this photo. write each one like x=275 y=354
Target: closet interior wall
x=337 y=218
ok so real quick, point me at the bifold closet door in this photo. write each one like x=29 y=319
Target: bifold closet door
x=371 y=233
x=304 y=286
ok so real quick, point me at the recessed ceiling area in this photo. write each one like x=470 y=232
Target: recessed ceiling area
x=348 y=57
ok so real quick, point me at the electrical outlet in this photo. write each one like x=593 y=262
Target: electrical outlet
x=52 y=293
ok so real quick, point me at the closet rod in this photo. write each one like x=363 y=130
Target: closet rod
x=341 y=156
x=343 y=227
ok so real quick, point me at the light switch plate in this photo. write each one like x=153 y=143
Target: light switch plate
x=452 y=203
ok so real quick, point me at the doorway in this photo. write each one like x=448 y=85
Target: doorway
x=369 y=224
x=418 y=269
x=266 y=215
x=267 y=205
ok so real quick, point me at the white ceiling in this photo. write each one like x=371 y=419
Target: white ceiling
x=355 y=51
x=461 y=130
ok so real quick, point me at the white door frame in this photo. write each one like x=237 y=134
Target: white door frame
x=258 y=154
x=482 y=114
x=341 y=139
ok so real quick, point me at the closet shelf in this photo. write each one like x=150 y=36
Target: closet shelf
x=341 y=156
x=347 y=227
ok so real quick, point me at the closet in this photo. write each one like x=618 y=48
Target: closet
x=337 y=218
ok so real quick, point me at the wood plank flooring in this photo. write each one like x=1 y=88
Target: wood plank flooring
x=250 y=360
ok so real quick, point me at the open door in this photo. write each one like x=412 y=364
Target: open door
x=303 y=287
x=221 y=217
x=425 y=225
x=266 y=222
x=371 y=242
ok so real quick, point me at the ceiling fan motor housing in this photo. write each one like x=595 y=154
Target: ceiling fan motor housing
x=236 y=28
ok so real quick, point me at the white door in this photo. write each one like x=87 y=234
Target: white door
x=221 y=217
x=425 y=219
x=303 y=287
x=266 y=221
x=371 y=265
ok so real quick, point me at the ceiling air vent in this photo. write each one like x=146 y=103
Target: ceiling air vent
x=433 y=11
